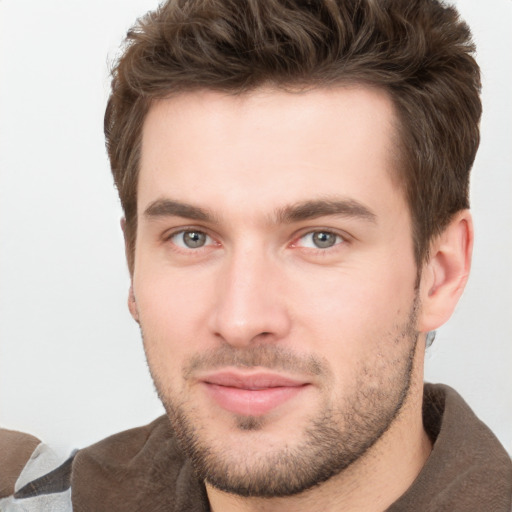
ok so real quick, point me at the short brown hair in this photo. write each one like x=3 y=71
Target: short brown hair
x=419 y=51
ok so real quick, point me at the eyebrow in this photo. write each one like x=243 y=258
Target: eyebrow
x=320 y=208
x=172 y=208
x=305 y=210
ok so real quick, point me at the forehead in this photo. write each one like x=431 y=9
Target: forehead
x=269 y=146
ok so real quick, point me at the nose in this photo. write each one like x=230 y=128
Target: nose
x=250 y=305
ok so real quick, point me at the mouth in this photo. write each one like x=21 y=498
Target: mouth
x=251 y=394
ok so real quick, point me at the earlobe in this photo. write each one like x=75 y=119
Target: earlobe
x=132 y=305
x=445 y=275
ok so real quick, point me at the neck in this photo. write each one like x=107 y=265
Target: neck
x=372 y=483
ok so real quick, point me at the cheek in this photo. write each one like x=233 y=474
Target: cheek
x=172 y=312
x=353 y=311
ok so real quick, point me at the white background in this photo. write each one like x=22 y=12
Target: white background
x=72 y=369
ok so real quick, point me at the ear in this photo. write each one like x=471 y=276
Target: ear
x=132 y=303
x=445 y=275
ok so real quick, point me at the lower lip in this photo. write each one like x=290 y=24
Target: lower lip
x=251 y=402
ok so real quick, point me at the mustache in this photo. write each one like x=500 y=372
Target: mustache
x=266 y=356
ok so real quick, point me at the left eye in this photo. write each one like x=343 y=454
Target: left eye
x=320 y=240
x=191 y=239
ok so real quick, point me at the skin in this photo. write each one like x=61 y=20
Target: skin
x=244 y=173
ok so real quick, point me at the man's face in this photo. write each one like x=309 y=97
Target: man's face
x=274 y=280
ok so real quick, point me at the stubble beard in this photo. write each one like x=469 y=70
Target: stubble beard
x=331 y=442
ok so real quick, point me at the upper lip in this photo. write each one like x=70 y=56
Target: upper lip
x=255 y=381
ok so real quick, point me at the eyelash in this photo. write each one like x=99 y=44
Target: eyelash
x=189 y=250
x=340 y=239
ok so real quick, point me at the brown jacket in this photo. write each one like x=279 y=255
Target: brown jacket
x=143 y=469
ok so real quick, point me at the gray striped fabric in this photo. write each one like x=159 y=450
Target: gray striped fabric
x=43 y=485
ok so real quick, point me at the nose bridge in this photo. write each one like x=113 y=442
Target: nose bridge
x=248 y=304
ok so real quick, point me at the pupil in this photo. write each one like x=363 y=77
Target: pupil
x=323 y=239
x=194 y=239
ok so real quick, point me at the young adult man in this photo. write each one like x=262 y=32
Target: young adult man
x=294 y=178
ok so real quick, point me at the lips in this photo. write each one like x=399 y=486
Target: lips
x=251 y=394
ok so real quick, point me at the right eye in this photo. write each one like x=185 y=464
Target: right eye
x=321 y=239
x=191 y=239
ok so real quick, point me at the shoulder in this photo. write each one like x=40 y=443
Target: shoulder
x=468 y=469
x=138 y=469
